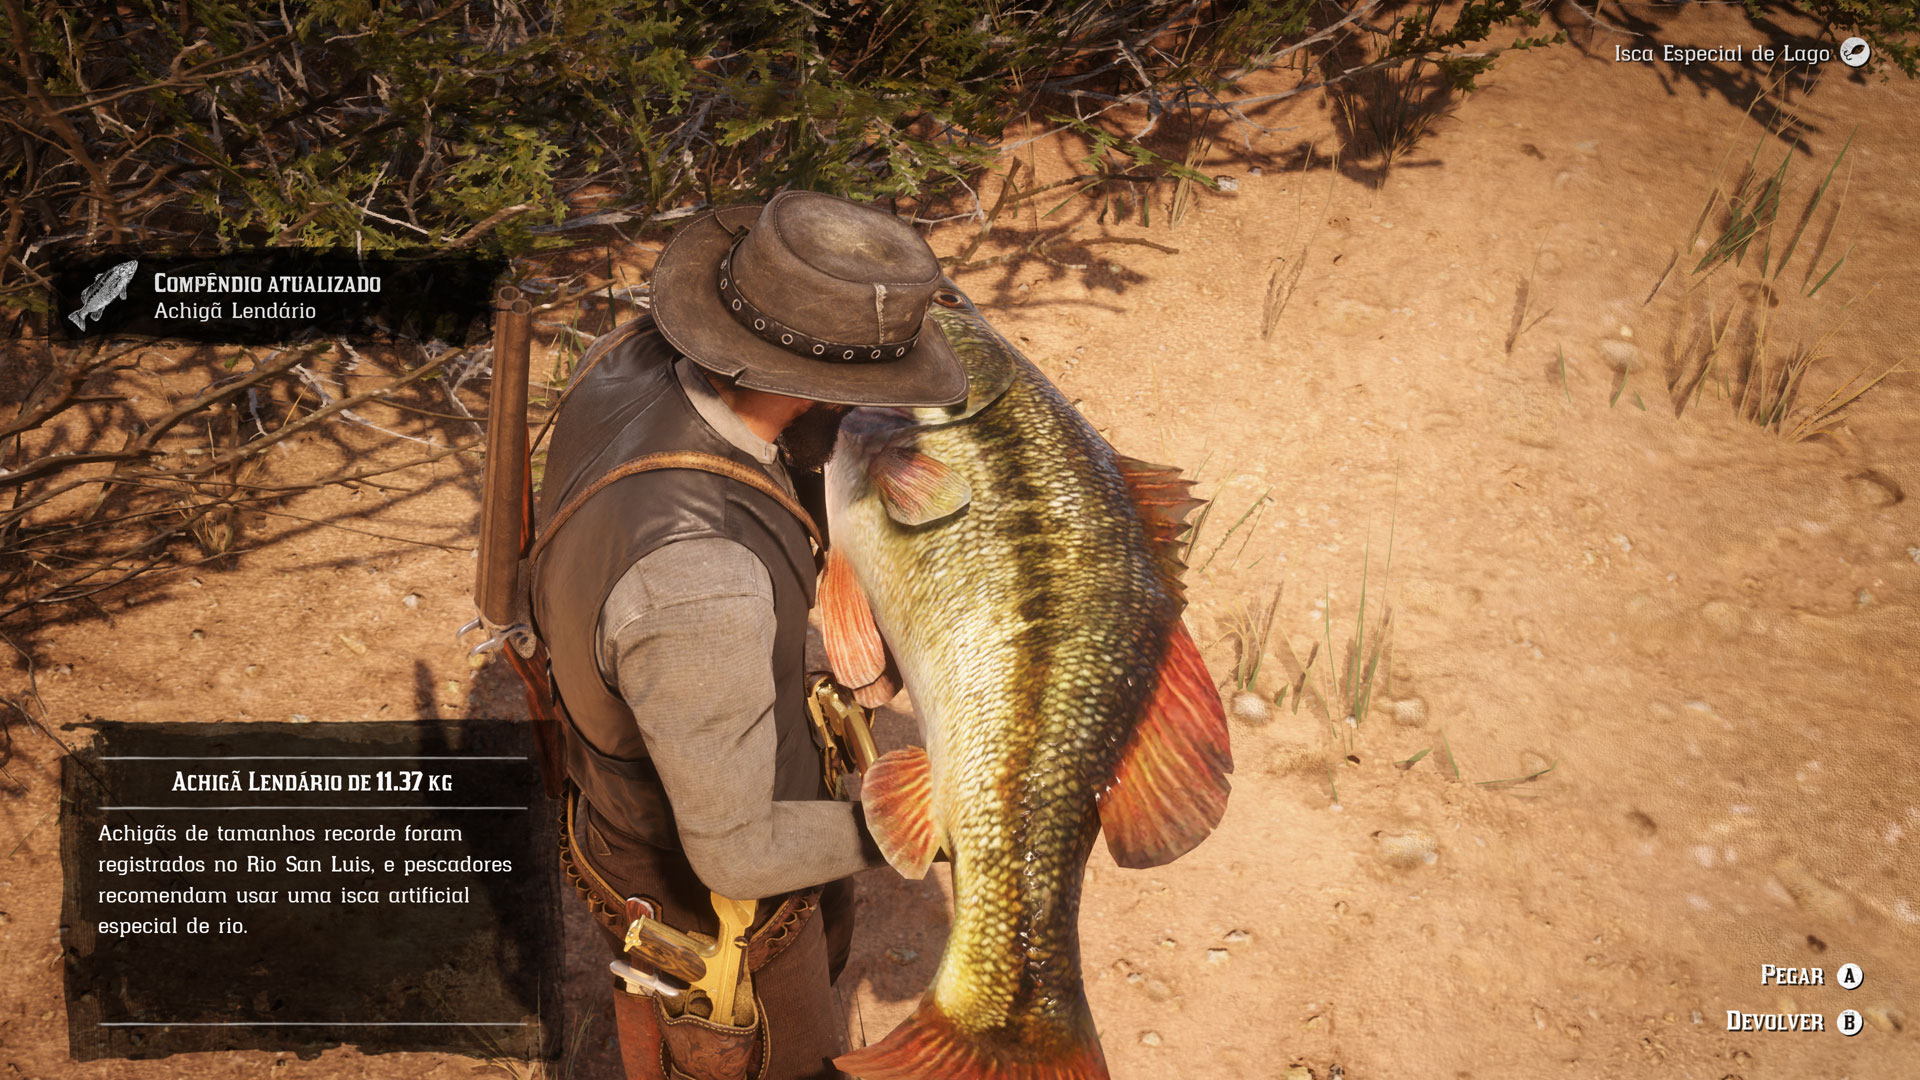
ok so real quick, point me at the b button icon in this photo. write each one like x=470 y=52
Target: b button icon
x=1851 y=977
x=1849 y=1023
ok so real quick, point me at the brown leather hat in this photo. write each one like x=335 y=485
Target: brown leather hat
x=811 y=296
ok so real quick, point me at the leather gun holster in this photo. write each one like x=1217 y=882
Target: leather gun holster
x=657 y=1042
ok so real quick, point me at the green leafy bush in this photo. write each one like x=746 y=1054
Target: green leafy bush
x=380 y=124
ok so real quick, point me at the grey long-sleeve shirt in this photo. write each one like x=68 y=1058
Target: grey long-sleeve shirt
x=687 y=635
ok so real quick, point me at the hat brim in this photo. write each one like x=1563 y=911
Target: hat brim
x=692 y=317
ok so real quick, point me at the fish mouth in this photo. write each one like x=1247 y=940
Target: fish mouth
x=873 y=420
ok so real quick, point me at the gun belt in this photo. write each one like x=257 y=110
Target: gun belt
x=609 y=908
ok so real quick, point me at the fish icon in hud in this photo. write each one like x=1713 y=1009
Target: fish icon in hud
x=109 y=286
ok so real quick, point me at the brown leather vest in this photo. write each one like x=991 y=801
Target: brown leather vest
x=627 y=403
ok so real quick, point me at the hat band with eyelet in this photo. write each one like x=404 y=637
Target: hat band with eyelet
x=775 y=332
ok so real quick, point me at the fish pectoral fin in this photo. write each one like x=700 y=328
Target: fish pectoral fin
x=916 y=489
x=853 y=641
x=1171 y=787
x=897 y=793
x=854 y=647
x=881 y=690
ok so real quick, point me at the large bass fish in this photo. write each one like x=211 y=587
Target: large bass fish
x=1023 y=580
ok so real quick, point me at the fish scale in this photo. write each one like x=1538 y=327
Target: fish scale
x=1029 y=628
x=1036 y=736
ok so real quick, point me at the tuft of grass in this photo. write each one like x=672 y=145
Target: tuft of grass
x=1249 y=630
x=1259 y=504
x=1453 y=766
x=1288 y=267
x=1516 y=780
x=1389 y=109
x=1523 y=307
x=1198 y=146
x=1298 y=673
x=1367 y=658
x=1759 y=345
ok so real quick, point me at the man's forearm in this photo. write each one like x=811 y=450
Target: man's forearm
x=800 y=845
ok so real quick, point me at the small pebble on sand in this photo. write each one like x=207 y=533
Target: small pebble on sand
x=1250 y=708
x=1406 y=849
x=1621 y=356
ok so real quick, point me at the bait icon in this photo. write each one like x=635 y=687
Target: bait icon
x=108 y=286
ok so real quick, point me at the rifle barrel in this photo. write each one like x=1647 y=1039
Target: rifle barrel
x=506 y=499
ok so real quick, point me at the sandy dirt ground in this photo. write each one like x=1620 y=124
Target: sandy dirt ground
x=1707 y=631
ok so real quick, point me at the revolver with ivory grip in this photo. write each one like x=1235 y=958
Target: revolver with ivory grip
x=699 y=976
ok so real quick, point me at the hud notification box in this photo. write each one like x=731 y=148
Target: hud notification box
x=301 y=886
x=276 y=296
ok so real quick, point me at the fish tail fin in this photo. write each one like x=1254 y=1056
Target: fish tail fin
x=929 y=1046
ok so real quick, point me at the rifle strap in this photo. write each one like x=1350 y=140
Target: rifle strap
x=543 y=708
x=681 y=459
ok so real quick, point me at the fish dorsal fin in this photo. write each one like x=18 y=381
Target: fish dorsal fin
x=1171 y=786
x=853 y=641
x=897 y=792
x=915 y=488
x=1163 y=500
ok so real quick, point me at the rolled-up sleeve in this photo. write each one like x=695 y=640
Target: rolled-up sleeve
x=687 y=634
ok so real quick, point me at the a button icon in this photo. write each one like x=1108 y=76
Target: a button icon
x=1851 y=976
x=1855 y=52
x=1848 y=1022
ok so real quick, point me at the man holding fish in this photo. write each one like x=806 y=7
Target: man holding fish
x=985 y=547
